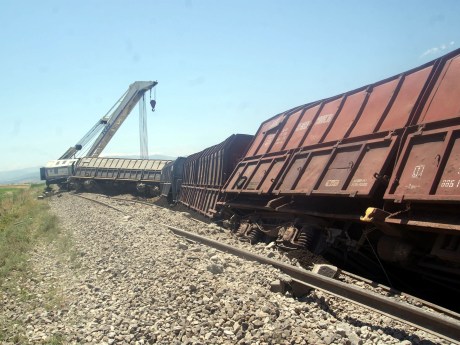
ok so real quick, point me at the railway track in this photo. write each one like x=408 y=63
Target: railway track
x=438 y=321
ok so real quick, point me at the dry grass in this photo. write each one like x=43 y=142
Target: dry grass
x=23 y=219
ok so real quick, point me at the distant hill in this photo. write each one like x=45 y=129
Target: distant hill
x=26 y=175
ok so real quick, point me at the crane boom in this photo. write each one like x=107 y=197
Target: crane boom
x=119 y=115
x=71 y=152
x=111 y=122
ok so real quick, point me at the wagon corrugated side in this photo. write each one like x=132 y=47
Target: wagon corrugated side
x=205 y=173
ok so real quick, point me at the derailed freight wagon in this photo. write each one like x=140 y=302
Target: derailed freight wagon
x=118 y=174
x=205 y=173
x=316 y=175
x=424 y=190
x=171 y=179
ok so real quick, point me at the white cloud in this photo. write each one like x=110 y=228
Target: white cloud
x=436 y=50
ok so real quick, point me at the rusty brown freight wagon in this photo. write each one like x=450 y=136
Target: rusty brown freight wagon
x=328 y=173
x=205 y=173
x=424 y=190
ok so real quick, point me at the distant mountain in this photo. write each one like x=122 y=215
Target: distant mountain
x=26 y=175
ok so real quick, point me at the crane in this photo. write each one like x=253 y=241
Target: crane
x=109 y=124
x=57 y=171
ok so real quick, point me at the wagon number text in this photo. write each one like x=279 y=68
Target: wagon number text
x=450 y=183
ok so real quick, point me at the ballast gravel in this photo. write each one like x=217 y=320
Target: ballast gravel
x=125 y=279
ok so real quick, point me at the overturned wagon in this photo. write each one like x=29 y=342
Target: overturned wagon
x=171 y=179
x=382 y=157
x=117 y=174
x=205 y=172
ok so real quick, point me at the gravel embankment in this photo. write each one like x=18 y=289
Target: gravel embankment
x=130 y=280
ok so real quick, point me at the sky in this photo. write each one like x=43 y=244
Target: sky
x=222 y=67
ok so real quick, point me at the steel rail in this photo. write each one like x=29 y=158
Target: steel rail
x=450 y=313
x=100 y=203
x=437 y=325
x=133 y=200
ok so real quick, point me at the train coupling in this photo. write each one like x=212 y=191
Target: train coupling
x=377 y=217
x=374 y=214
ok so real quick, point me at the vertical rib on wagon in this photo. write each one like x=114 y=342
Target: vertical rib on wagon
x=205 y=173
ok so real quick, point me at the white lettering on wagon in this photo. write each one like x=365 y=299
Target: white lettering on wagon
x=332 y=183
x=450 y=184
x=303 y=125
x=359 y=182
x=282 y=136
x=326 y=118
x=418 y=171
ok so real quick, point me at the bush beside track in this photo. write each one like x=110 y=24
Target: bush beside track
x=24 y=222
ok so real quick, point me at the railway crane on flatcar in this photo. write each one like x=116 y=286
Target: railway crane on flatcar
x=57 y=171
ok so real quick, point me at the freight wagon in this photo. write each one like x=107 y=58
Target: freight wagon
x=117 y=174
x=171 y=179
x=205 y=172
x=375 y=169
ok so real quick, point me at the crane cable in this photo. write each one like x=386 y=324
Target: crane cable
x=153 y=102
x=143 y=135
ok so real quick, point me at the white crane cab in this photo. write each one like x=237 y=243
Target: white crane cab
x=58 y=171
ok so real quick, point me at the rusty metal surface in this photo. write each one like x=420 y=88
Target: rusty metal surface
x=205 y=172
x=143 y=170
x=336 y=146
x=386 y=105
x=260 y=139
x=352 y=169
x=201 y=199
x=437 y=324
x=444 y=101
x=429 y=167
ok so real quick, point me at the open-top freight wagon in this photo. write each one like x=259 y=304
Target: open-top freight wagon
x=378 y=166
x=118 y=174
x=205 y=172
x=171 y=179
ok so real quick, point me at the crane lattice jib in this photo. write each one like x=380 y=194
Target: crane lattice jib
x=119 y=115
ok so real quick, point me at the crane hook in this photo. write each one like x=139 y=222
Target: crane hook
x=153 y=103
